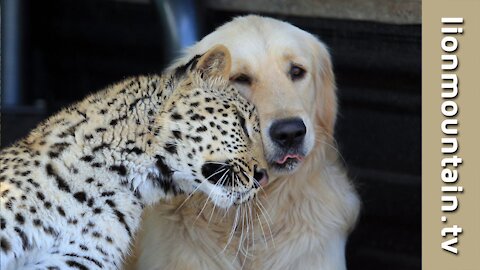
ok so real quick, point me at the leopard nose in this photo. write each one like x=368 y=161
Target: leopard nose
x=213 y=172
x=288 y=132
x=261 y=177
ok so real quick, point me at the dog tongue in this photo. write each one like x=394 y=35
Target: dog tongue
x=286 y=157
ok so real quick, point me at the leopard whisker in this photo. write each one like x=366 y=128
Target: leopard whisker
x=255 y=181
x=245 y=241
x=267 y=220
x=263 y=231
x=213 y=209
x=232 y=231
x=231 y=198
x=252 y=224
x=249 y=241
x=217 y=162
x=245 y=248
x=207 y=199
x=211 y=214
x=240 y=242
x=191 y=194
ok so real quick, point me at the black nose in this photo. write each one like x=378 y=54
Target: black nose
x=260 y=176
x=288 y=132
x=213 y=172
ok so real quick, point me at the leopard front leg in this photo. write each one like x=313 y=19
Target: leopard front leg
x=42 y=260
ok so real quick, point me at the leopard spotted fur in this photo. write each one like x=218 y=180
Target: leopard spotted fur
x=72 y=191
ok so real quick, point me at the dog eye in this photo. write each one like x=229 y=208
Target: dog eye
x=296 y=72
x=242 y=79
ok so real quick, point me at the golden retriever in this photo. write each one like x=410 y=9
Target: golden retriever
x=303 y=217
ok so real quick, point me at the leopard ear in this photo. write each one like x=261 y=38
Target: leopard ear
x=215 y=62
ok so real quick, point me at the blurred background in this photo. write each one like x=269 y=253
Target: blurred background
x=57 y=51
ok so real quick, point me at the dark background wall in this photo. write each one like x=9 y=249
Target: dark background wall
x=70 y=48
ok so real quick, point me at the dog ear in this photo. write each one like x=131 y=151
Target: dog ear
x=326 y=96
x=215 y=62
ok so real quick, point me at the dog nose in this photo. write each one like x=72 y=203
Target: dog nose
x=288 y=132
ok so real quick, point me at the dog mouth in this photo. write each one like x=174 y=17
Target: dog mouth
x=289 y=158
x=287 y=162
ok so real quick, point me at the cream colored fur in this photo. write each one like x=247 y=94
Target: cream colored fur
x=310 y=212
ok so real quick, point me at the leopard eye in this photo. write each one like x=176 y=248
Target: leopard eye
x=296 y=72
x=242 y=79
x=244 y=126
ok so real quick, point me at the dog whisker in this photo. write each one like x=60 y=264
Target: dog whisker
x=334 y=148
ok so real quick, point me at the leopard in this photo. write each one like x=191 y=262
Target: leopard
x=74 y=189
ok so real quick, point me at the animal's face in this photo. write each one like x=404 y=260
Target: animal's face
x=215 y=138
x=287 y=74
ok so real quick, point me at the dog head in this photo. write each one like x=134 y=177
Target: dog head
x=287 y=73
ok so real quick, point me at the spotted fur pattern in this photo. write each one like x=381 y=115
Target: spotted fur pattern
x=73 y=190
